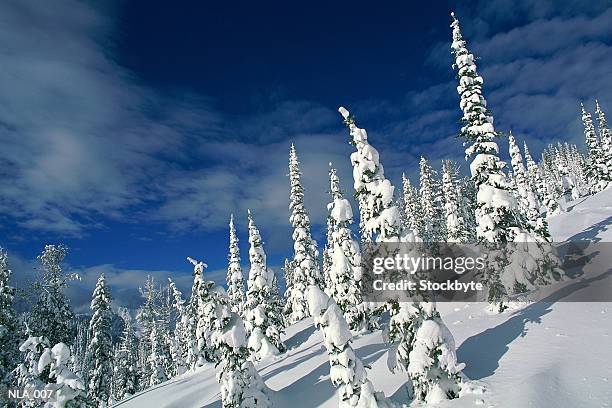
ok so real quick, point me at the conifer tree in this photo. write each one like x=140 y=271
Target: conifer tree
x=241 y=385
x=146 y=316
x=347 y=372
x=305 y=264
x=125 y=372
x=101 y=346
x=433 y=231
x=51 y=315
x=380 y=216
x=528 y=201
x=264 y=320
x=384 y=223
x=235 y=280
x=597 y=168
x=158 y=359
x=328 y=254
x=81 y=344
x=500 y=224
x=550 y=191
x=27 y=375
x=605 y=141
x=346 y=266
x=67 y=388
x=9 y=332
x=494 y=208
x=428 y=356
x=534 y=176
x=180 y=340
x=455 y=227
x=466 y=192
x=413 y=213
x=165 y=328
x=199 y=321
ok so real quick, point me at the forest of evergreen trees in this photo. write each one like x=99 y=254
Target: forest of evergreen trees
x=79 y=359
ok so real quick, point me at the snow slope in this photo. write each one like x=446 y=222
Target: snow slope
x=553 y=353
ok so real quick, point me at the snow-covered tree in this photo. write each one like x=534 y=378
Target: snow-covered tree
x=347 y=372
x=494 y=212
x=263 y=316
x=328 y=253
x=597 y=168
x=125 y=371
x=166 y=330
x=550 y=192
x=527 y=199
x=495 y=202
x=433 y=231
x=68 y=390
x=51 y=315
x=534 y=175
x=146 y=317
x=159 y=359
x=241 y=385
x=500 y=223
x=413 y=213
x=423 y=347
x=27 y=374
x=9 y=332
x=455 y=224
x=80 y=347
x=200 y=351
x=100 y=351
x=305 y=264
x=235 y=280
x=380 y=216
x=46 y=368
x=180 y=338
x=346 y=267
x=605 y=141
x=385 y=223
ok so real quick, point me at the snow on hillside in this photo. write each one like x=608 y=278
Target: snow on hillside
x=553 y=353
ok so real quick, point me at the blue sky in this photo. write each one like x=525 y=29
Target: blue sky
x=130 y=131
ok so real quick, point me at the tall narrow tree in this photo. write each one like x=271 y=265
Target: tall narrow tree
x=605 y=140
x=534 y=175
x=125 y=372
x=384 y=223
x=495 y=202
x=413 y=213
x=455 y=228
x=235 y=280
x=305 y=264
x=51 y=315
x=180 y=340
x=9 y=333
x=431 y=212
x=101 y=345
x=264 y=320
x=346 y=266
x=528 y=200
x=500 y=226
x=597 y=168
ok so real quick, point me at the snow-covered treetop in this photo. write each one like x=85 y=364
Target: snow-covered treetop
x=478 y=127
x=198 y=266
x=259 y=275
x=334 y=183
x=51 y=259
x=379 y=213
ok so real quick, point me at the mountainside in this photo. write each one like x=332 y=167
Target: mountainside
x=554 y=353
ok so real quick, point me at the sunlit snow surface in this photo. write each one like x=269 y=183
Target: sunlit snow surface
x=548 y=354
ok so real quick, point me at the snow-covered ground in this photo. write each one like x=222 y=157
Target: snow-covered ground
x=554 y=353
